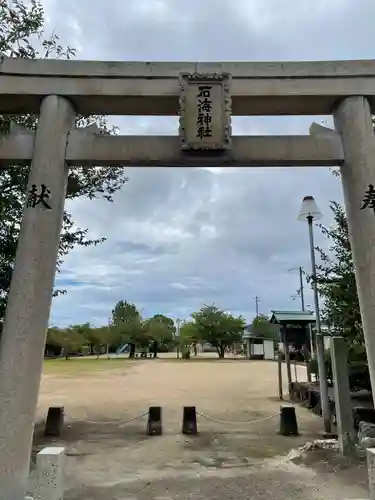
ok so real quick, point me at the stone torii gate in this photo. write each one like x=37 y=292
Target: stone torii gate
x=205 y=95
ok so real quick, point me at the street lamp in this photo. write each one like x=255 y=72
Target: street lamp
x=309 y=212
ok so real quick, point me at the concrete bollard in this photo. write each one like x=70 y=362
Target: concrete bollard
x=154 y=421
x=50 y=473
x=288 y=421
x=189 y=420
x=55 y=421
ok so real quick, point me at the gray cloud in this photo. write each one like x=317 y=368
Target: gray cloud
x=178 y=238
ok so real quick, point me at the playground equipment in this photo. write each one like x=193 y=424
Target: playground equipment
x=122 y=349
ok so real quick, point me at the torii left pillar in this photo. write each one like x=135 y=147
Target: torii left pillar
x=30 y=296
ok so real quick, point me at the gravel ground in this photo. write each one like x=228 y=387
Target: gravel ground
x=111 y=460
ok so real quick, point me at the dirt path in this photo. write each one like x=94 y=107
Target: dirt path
x=110 y=460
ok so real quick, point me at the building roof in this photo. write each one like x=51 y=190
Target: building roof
x=248 y=336
x=284 y=317
x=250 y=333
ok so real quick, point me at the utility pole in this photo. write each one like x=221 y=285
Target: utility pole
x=301 y=288
x=302 y=296
x=257 y=306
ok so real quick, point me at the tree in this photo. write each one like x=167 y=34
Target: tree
x=337 y=287
x=69 y=339
x=103 y=336
x=96 y=338
x=189 y=335
x=336 y=281
x=160 y=330
x=87 y=332
x=129 y=326
x=21 y=30
x=124 y=311
x=219 y=328
x=261 y=327
x=51 y=347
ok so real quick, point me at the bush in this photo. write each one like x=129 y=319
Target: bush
x=186 y=354
x=314 y=369
x=359 y=376
x=163 y=348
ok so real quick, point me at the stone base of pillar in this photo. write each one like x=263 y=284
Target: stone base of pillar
x=50 y=474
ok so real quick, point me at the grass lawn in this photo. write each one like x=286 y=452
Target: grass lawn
x=91 y=366
x=84 y=366
x=202 y=359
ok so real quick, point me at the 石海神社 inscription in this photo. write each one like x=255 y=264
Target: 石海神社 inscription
x=205 y=111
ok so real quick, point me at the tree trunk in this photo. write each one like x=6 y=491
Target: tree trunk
x=195 y=349
x=222 y=351
x=155 y=349
x=131 y=350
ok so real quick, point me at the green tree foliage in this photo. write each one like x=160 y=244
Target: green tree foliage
x=261 y=327
x=129 y=326
x=22 y=36
x=340 y=306
x=189 y=333
x=86 y=332
x=336 y=281
x=96 y=337
x=160 y=330
x=219 y=328
x=134 y=330
x=75 y=337
x=124 y=312
x=189 y=336
x=69 y=339
x=106 y=335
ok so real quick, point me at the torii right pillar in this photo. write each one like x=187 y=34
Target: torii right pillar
x=353 y=120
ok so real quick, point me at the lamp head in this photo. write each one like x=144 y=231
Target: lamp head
x=309 y=208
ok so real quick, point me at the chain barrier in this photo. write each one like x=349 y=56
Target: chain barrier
x=238 y=423
x=212 y=419
x=118 y=422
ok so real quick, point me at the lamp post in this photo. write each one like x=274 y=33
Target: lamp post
x=309 y=212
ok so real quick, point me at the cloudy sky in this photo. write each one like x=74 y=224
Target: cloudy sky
x=180 y=238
